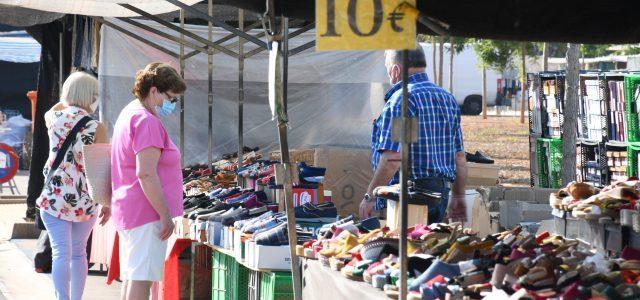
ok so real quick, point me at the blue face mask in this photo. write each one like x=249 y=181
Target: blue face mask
x=166 y=109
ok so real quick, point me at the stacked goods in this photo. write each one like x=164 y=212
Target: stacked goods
x=617 y=117
x=594 y=109
x=554 y=107
x=617 y=163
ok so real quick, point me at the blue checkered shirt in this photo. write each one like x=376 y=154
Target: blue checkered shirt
x=439 y=132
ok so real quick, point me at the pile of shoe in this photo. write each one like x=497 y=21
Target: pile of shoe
x=586 y=202
x=449 y=262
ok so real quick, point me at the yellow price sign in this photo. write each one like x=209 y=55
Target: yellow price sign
x=365 y=24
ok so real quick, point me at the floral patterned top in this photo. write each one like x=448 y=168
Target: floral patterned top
x=66 y=195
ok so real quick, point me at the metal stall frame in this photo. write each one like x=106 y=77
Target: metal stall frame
x=210 y=47
x=274 y=35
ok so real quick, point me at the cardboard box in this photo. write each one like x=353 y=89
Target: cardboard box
x=482 y=175
x=303 y=155
x=272 y=257
x=348 y=175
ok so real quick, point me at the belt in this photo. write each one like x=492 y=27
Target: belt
x=433 y=182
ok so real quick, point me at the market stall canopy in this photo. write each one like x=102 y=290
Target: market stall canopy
x=25 y=17
x=577 y=21
x=18 y=47
x=104 y=8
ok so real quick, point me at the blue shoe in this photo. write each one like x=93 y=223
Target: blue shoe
x=266 y=223
x=307 y=171
x=437 y=268
x=248 y=222
x=323 y=213
x=369 y=224
x=276 y=236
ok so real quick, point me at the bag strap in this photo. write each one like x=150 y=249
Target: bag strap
x=70 y=140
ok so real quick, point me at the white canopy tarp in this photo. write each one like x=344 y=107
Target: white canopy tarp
x=104 y=8
x=332 y=100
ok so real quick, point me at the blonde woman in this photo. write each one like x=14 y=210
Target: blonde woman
x=65 y=207
x=146 y=179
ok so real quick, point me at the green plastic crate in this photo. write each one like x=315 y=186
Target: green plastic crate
x=549 y=167
x=220 y=289
x=633 y=149
x=276 y=286
x=230 y=279
x=631 y=112
x=239 y=281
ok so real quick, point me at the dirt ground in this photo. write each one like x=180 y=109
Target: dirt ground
x=505 y=140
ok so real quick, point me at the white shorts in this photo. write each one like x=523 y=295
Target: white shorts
x=142 y=253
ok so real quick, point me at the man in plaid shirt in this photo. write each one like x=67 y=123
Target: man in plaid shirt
x=438 y=160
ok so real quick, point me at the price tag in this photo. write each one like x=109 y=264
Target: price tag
x=365 y=24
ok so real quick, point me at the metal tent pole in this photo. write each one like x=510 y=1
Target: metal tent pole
x=405 y=139
x=240 y=87
x=210 y=82
x=182 y=96
x=286 y=161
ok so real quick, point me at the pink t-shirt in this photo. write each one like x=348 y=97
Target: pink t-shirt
x=135 y=130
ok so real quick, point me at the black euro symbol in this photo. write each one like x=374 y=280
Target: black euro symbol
x=395 y=16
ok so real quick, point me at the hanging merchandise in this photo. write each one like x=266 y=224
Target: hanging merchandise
x=276 y=100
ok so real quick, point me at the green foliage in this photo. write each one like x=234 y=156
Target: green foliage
x=495 y=55
x=592 y=50
x=458 y=44
x=629 y=50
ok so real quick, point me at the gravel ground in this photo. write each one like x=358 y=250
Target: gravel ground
x=505 y=140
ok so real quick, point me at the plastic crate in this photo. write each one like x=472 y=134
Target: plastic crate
x=549 y=157
x=633 y=149
x=631 y=81
x=591 y=155
x=276 y=286
x=615 y=147
x=220 y=286
x=533 y=161
x=593 y=123
x=254 y=285
x=239 y=281
x=534 y=101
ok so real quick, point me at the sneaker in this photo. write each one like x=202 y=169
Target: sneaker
x=242 y=224
x=311 y=213
x=307 y=171
x=229 y=213
x=246 y=214
x=276 y=236
x=261 y=225
x=369 y=224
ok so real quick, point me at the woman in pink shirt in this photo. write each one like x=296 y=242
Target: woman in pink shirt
x=147 y=179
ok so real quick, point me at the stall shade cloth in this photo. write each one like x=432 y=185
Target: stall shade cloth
x=333 y=97
x=18 y=47
x=105 y=8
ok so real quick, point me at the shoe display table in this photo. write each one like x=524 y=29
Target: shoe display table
x=320 y=282
x=604 y=237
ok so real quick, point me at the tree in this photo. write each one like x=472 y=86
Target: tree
x=570 y=115
x=525 y=49
x=495 y=55
x=591 y=50
x=545 y=57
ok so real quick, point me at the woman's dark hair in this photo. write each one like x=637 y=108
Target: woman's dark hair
x=163 y=76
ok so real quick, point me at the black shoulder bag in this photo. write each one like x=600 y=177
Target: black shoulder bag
x=68 y=142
